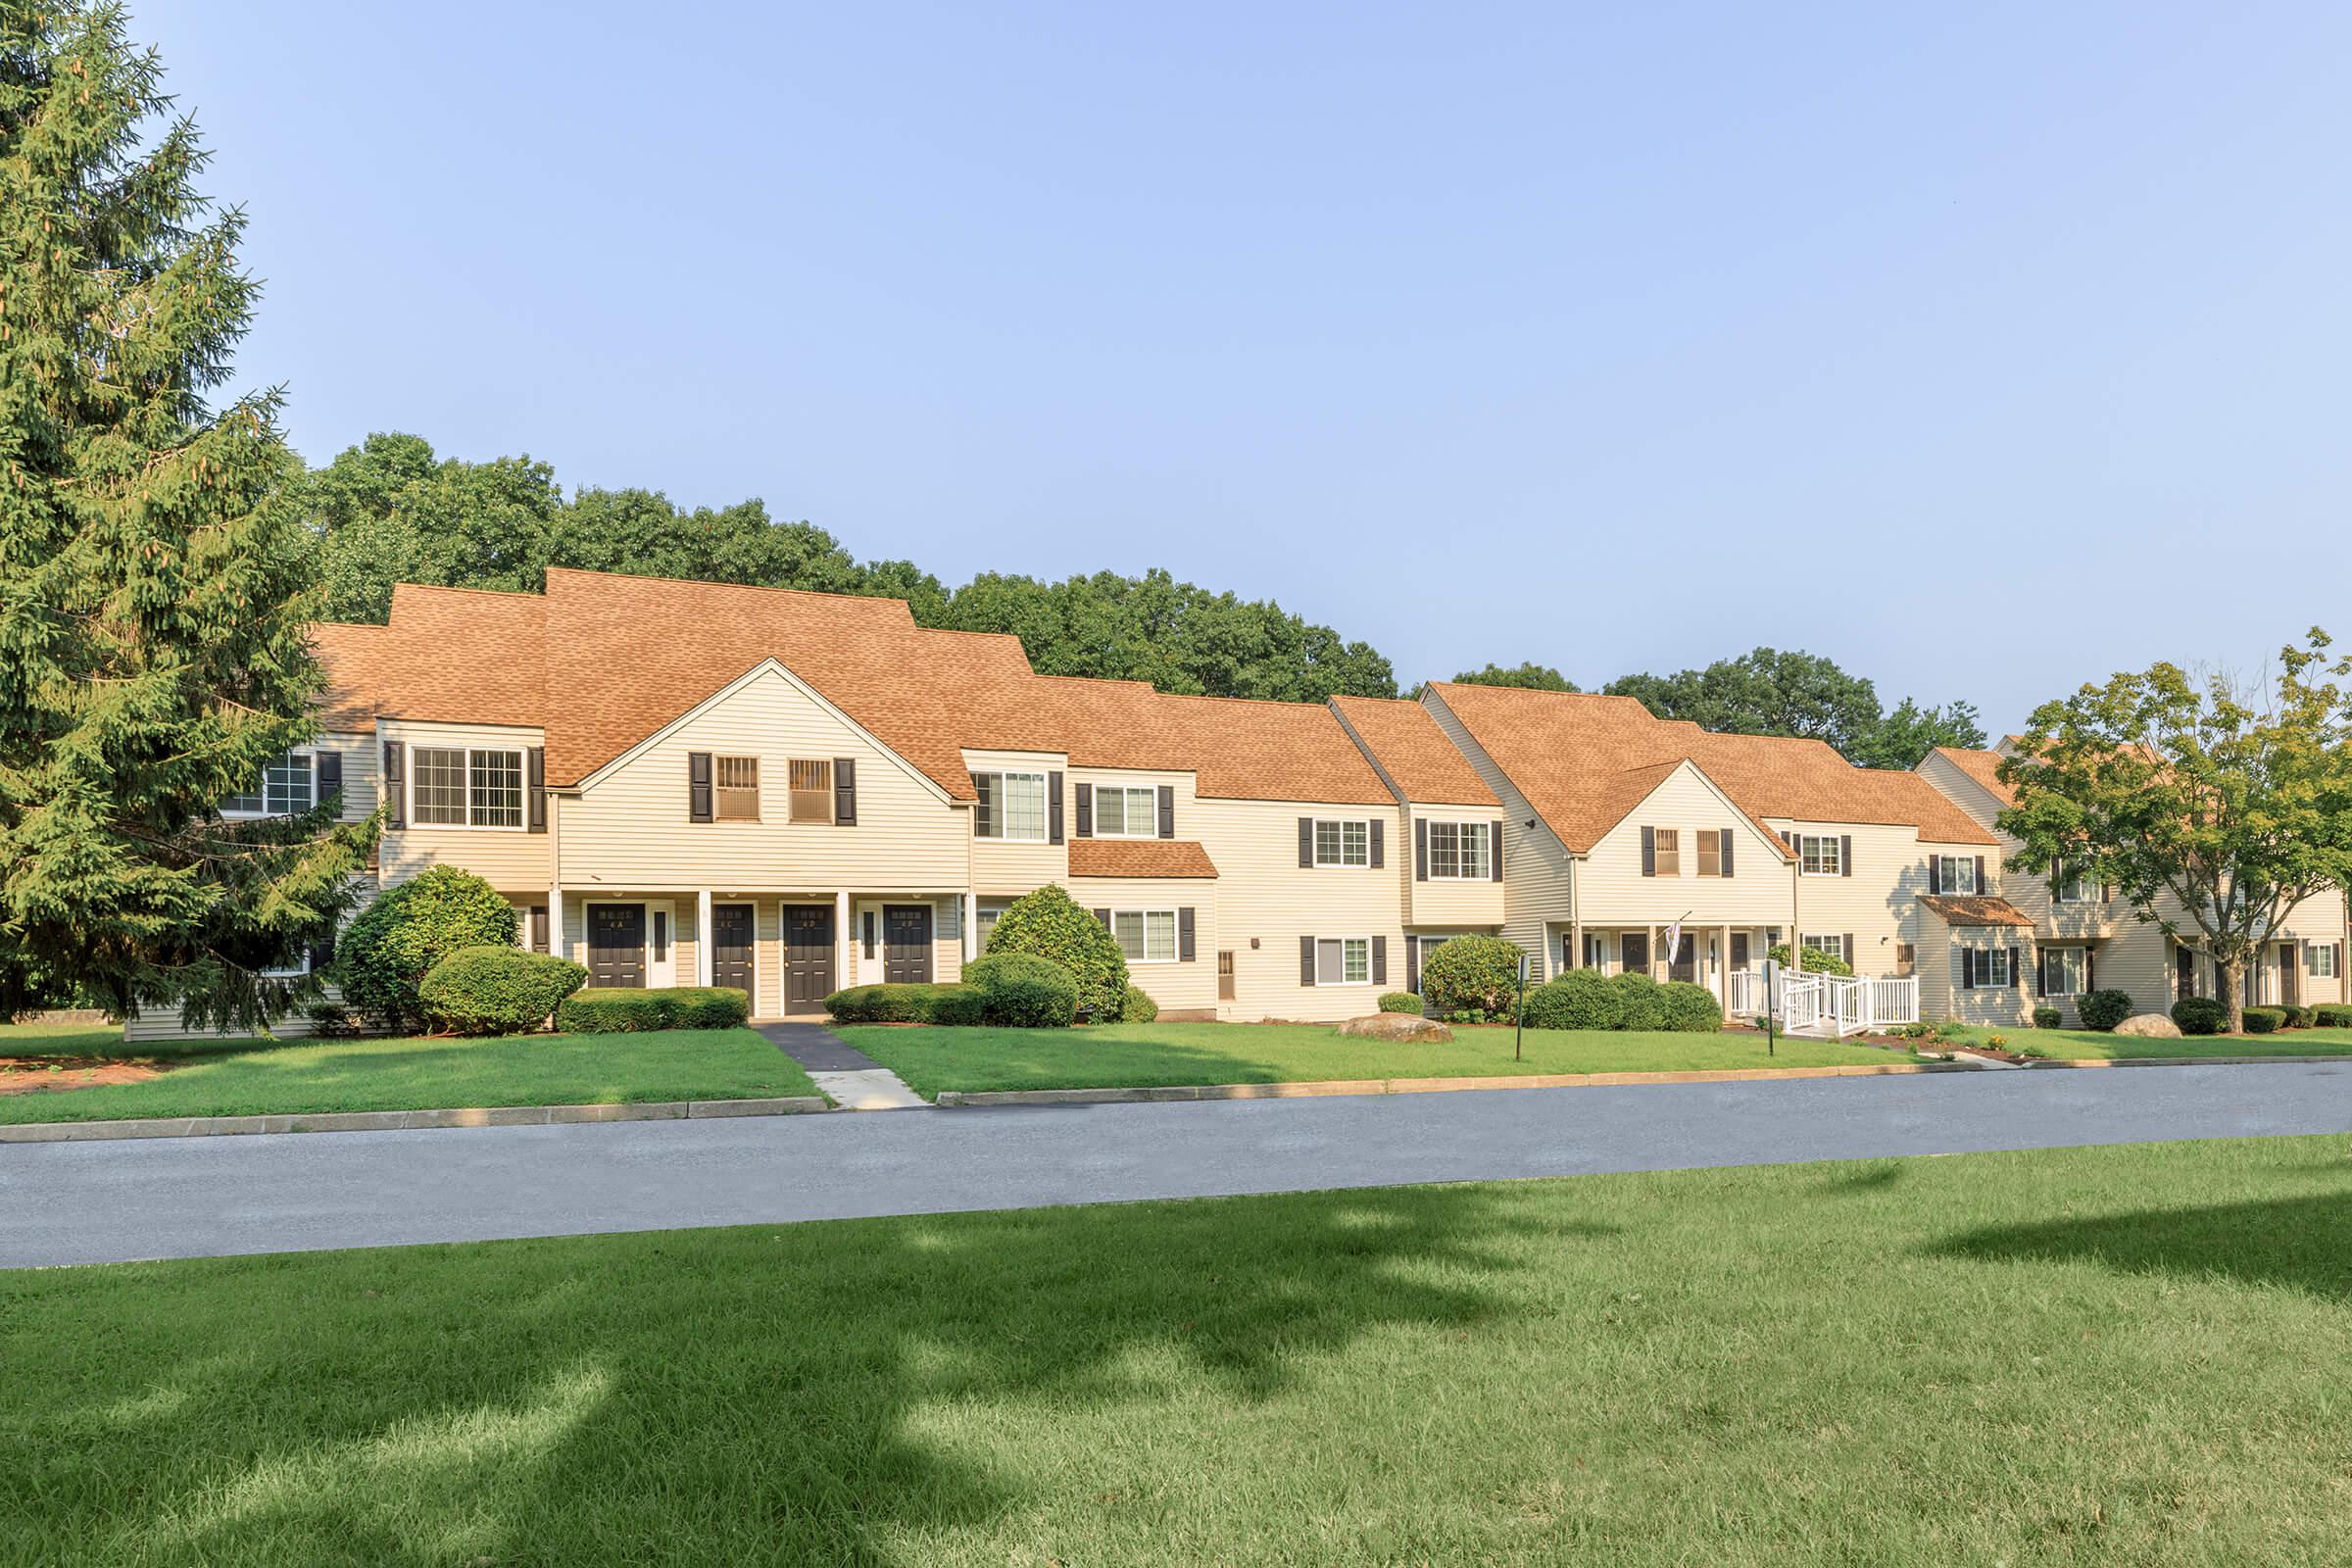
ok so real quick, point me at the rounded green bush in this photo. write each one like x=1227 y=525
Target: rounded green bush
x=1641 y=1001
x=2297 y=1017
x=1581 y=999
x=1690 y=1008
x=958 y=1007
x=1049 y=925
x=902 y=1002
x=2333 y=1018
x=2200 y=1015
x=1401 y=1002
x=1471 y=975
x=1138 y=1007
x=2103 y=1009
x=2047 y=1017
x=385 y=954
x=497 y=990
x=1023 y=991
x=630 y=1009
x=2265 y=1020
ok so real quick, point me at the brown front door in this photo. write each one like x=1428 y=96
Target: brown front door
x=907 y=944
x=2288 y=996
x=2185 y=973
x=731 y=947
x=807 y=956
x=1633 y=952
x=1684 y=965
x=617 y=944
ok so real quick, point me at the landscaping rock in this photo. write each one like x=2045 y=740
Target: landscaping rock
x=1395 y=1026
x=2149 y=1026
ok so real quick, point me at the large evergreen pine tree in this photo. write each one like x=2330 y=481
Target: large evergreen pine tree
x=153 y=597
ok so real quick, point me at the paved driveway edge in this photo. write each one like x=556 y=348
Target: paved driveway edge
x=392 y=1121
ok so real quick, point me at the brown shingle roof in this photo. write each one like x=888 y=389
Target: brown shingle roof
x=1176 y=857
x=459 y=655
x=1979 y=766
x=1407 y=746
x=1975 y=909
x=350 y=657
x=1584 y=761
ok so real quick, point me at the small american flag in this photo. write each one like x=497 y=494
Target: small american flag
x=1674 y=941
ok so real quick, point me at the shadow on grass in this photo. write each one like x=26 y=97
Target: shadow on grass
x=2305 y=1242
x=812 y=1394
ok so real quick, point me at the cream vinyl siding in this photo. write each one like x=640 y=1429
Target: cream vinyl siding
x=1539 y=875
x=1178 y=986
x=510 y=860
x=1015 y=867
x=1877 y=905
x=630 y=828
x=855 y=969
x=1452 y=902
x=2011 y=1006
x=1263 y=893
x=1613 y=892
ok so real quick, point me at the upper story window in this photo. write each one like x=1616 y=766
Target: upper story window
x=458 y=785
x=1012 y=806
x=738 y=789
x=2069 y=886
x=1820 y=854
x=1669 y=851
x=810 y=783
x=1956 y=873
x=1459 y=850
x=1343 y=843
x=1126 y=811
x=288 y=787
x=1145 y=936
x=1714 y=852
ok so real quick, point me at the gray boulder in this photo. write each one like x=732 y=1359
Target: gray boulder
x=1395 y=1026
x=2149 y=1026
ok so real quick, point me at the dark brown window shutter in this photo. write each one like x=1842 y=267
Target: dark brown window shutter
x=1495 y=852
x=538 y=928
x=1849 y=953
x=1184 y=934
x=1167 y=810
x=2091 y=969
x=2016 y=969
x=1306 y=960
x=1054 y=827
x=330 y=776
x=1086 y=810
x=1982 y=885
x=396 y=792
x=1420 y=849
x=1725 y=858
x=1379 y=961
x=1845 y=854
x=1413 y=965
x=534 y=763
x=698 y=786
x=1968 y=970
x=2041 y=971
x=844 y=791
x=1934 y=873
x=322 y=951
x=1104 y=916
x=1649 y=851
x=1380 y=854
x=1306 y=841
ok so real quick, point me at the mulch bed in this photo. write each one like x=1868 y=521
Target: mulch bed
x=28 y=1075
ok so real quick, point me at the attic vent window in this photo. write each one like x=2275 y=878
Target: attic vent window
x=812 y=791
x=739 y=789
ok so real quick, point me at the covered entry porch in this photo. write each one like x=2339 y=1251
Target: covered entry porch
x=1706 y=955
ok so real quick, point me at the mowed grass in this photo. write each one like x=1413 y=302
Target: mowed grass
x=2085 y=1045
x=1151 y=1055
x=2089 y=1357
x=257 y=1077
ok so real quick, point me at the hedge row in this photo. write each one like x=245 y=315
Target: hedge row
x=905 y=1004
x=627 y=1009
x=1586 y=999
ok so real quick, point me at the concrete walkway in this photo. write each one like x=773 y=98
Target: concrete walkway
x=192 y=1197
x=847 y=1076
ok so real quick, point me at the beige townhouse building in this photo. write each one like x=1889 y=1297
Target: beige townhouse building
x=2026 y=941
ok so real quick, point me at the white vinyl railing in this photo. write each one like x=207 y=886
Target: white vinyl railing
x=1811 y=1001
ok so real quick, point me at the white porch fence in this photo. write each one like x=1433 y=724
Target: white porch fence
x=1830 y=1004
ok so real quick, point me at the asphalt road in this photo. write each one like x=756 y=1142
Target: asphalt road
x=200 y=1197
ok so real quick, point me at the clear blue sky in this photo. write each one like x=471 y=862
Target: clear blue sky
x=1983 y=349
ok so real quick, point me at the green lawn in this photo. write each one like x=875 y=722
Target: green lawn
x=250 y=1077
x=2083 y=1045
x=2132 y=1356
x=1145 y=1054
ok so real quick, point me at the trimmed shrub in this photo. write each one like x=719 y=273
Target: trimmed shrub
x=2297 y=1017
x=1816 y=961
x=1641 y=1002
x=2333 y=1018
x=383 y=956
x=883 y=1003
x=1049 y=925
x=1690 y=1008
x=1136 y=1006
x=2265 y=1020
x=2200 y=1015
x=1581 y=999
x=2047 y=1017
x=1023 y=991
x=2103 y=1009
x=1401 y=1002
x=629 y=1010
x=1472 y=975
x=498 y=991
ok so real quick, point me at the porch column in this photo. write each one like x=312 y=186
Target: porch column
x=555 y=921
x=844 y=950
x=971 y=927
x=1723 y=965
x=701 y=937
x=1575 y=956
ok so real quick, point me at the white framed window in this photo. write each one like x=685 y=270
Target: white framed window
x=1667 y=845
x=1956 y=873
x=1991 y=968
x=1344 y=960
x=458 y=785
x=1343 y=842
x=1459 y=850
x=2318 y=958
x=811 y=780
x=1012 y=806
x=984 y=920
x=2070 y=886
x=737 y=782
x=293 y=971
x=2063 y=971
x=1833 y=944
x=1145 y=936
x=1820 y=854
x=288 y=786
x=1126 y=811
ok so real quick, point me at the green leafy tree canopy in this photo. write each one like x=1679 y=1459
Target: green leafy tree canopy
x=1772 y=692
x=1529 y=675
x=1049 y=925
